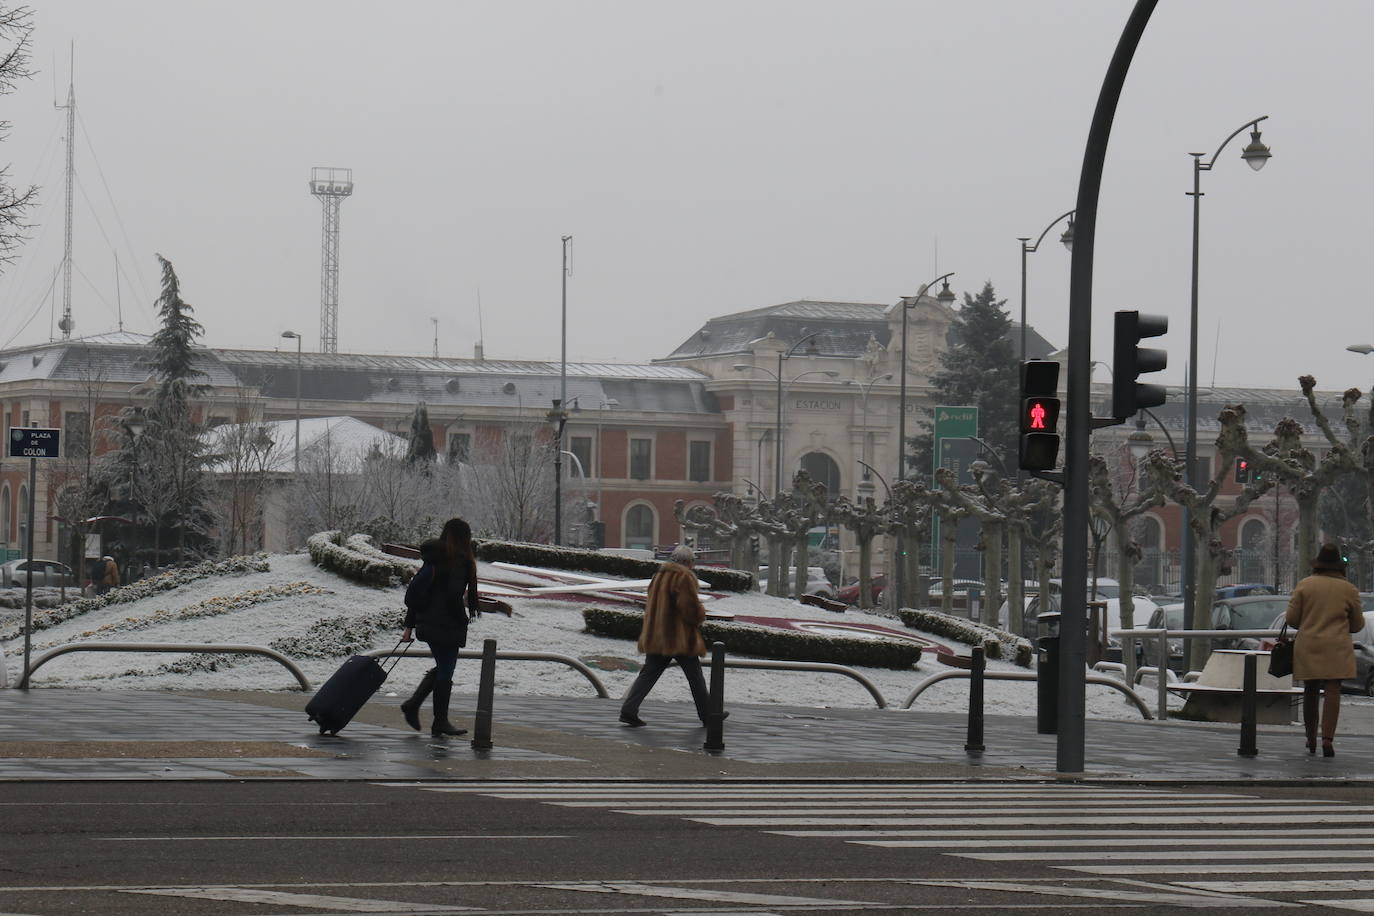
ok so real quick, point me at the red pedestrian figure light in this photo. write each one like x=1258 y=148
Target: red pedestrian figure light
x=1037 y=415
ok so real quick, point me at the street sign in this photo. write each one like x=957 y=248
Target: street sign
x=30 y=442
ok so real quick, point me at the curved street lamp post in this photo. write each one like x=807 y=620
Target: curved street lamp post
x=1066 y=239
x=781 y=383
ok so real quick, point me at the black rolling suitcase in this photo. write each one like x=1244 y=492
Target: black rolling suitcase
x=335 y=704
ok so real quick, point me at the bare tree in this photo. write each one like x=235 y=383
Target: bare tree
x=245 y=457
x=506 y=490
x=16 y=43
x=81 y=491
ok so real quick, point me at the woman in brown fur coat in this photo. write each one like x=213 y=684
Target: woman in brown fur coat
x=1326 y=610
x=671 y=632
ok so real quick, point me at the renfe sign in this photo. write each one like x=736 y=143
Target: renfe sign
x=28 y=442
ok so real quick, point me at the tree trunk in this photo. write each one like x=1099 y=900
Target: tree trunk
x=1203 y=590
x=1307 y=534
x=865 y=572
x=949 y=533
x=1016 y=582
x=992 y=573
x=912 y=573
x=1125 y=577
x=802 y=570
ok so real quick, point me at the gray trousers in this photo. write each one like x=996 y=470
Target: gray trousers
x=654 y=666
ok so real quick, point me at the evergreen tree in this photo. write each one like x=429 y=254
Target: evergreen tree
x=421 y=437
x=979 y=368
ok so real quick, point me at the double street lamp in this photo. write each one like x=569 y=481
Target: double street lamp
x=777 y=377
x=1066 y=239
x=866 y=388
x=1255 y=154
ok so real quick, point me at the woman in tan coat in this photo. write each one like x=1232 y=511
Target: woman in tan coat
x=1326 y=610
x=671 y=631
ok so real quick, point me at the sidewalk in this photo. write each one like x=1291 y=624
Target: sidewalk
x=54 y=733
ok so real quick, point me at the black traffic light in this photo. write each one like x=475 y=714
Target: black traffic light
x=1039 y=414
x=1242 y=471
x=1130 y=360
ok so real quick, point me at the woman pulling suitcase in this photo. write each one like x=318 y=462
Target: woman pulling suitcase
x=435 y=610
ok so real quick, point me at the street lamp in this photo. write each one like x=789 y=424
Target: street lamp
x=945 y=298
x=292 y=335
x=1256 y=154
x=777 y=377
x=867 y=387
x=1066 y=239
x=558 y=416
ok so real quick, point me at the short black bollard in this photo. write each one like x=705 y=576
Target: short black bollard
x=974 y=745
x=486 y=691
x=1247 y=709
x=715 y=717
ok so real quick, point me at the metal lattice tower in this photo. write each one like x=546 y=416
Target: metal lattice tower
x=66 y=324
x=331 y=186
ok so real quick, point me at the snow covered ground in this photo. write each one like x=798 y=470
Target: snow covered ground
x=260 y=608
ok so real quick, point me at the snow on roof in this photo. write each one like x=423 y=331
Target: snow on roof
x=272 y=445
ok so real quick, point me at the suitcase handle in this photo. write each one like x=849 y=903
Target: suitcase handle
x=395 y=659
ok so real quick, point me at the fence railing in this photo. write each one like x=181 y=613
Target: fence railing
x=568 y=660
x=1161 y=636
x=177 y=648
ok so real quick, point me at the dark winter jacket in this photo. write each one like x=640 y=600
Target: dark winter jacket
x=435 y=600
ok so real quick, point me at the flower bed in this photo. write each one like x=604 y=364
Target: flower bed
x=333 y=637
x=996 y=643
x=730 y=580
x=210 y=607
x=145 y=588
x=769 y=642
x=327 y=550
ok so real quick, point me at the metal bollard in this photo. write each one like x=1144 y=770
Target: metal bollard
x=974 y=745
x=486 y=691
x=1247 y=709
x=1162 y=677
x=715 y=717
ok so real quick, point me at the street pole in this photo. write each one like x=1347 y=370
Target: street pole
x=1069 y=747
x=28 y=579
x=1256 y=154
x=559 y=407
x=777 y=435
x=290 y=335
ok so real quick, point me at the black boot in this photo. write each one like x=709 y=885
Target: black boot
x=411 y=707
x=442 y=726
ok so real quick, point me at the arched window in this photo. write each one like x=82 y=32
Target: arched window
x=6 y=519
x=1150 y=536
x=823 y=469
x=639 y=526
x=1253 y=535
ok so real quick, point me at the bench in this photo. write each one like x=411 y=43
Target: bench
x=1216 y=695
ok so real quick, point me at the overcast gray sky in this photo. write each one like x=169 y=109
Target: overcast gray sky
x=708 y=157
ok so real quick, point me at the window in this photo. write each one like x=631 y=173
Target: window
x=581 y=447
x=5 y=518
x=24 y=418
x=639 y=526
x=76 y=434
x=459 y=448
x=699 y=461
x=641 y=458
x=822 y=469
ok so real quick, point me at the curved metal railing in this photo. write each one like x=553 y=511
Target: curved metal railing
x=1026 y=676
x=178 y=648
x=825 y=667
x=568 y=660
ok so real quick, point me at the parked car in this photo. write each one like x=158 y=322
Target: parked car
x=850 y=593
x=1253 y=612
x=1241 y=591
x=1169 y=617
x=46 y=573
x=816 y=581
x=1108 y=591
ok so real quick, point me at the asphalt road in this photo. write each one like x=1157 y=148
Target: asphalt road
x=638 y=847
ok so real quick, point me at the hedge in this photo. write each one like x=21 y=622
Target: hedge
x=402 y=567
x=768 y=642
x=996 y=643
x=327 y=551
x=730 y=580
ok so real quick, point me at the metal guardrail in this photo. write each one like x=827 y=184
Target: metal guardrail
x=825 y=667
x=1027 y=676
x=568 y=660
x=1162 y=635
x=179 y=649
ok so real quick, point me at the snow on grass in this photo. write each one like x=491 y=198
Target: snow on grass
x=282 y=605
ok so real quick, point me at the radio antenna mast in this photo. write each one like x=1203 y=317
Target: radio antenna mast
x=66 y=324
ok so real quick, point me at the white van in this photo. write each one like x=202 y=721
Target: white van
x=816 y=582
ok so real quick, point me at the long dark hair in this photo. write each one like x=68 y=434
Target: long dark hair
x=456 y=543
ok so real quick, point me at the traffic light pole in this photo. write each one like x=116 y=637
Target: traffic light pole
x=1070 y=739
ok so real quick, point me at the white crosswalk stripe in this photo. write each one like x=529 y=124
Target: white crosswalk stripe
x=1236 y=846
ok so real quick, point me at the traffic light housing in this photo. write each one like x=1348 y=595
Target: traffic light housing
x=1242 y=471
x=1039 y=415
x=1130 y=361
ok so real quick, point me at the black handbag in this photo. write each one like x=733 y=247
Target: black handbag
x=1281 y=656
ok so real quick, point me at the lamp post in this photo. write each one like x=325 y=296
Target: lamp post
x=945 y=297
x=292 y=335
x=1066 y=239
x=1256 y=154
x=777 y=377
x=558 y=416
x=867 y=387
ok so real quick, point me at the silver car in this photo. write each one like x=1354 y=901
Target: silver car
x=46 y=574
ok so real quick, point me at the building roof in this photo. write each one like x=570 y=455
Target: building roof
x=843 y=329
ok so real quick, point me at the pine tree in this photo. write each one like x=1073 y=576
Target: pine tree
x=979 y=368
x=421 y=438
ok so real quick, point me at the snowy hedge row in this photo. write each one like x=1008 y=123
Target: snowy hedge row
x=403 y=567
x=145 y=588
x=730 y=580
x=210 y=607
x=335 y=637
x=996 y=643
x=327 y=550
x=768 y=642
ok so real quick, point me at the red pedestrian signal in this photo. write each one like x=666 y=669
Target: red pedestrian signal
x=1042 y=414
x=1039 y=415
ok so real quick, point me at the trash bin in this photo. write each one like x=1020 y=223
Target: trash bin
x=1047 y=673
